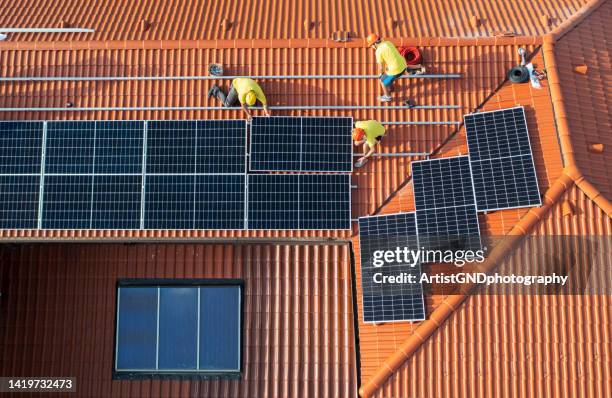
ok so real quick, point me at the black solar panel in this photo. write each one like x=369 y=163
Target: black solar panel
x=299 y=201
x=220 y=201
x=194 y=202
x=501 y=159
x=116 y=202
x=19 y=201
x=320 y=144
x=444 y=201
x=118 y=147
x=67 y=202
x=206 y=147
x=20 y=147
x=69 y=147
x=449 y=228
x=385 y=301
x=442 y=182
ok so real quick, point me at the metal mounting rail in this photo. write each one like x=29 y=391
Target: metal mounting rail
x=46 y=30
x=418 y=123
x=263 y=77
x=395 y=155
x=218 y=108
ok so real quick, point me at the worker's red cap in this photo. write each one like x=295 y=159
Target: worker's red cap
x=372 y=38
x=358 y=134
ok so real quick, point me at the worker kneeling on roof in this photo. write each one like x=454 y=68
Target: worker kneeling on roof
x=367 y=133
x=245 y=91
x=392 y=64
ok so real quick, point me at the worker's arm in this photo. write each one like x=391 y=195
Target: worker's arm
x=266 y=110
x=368 y=153
x=246 y=110
x=381 y=68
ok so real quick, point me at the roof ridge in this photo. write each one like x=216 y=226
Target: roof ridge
x=576 y=19
x=261 y=43
x=563 y=130
x=450 y=304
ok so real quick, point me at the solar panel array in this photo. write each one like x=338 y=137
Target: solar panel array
x=299 y=201
x=445 y=210
x=148 y=175
x=313 y=144
x=388 y=302
x=502 y=162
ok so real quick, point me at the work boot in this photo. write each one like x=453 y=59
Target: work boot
x=384 y=98
x=213 y=91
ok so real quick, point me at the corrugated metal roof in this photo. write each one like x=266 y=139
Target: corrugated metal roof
x=58 y=309
x=283 y=19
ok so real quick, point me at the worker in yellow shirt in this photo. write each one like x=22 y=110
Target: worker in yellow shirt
x=367 y=133
x=245 y=91
x=392 y=64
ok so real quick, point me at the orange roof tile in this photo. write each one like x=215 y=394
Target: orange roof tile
x=298 y=315
x=283 y=19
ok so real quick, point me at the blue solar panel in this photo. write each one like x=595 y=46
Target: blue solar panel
x=299 y=201
x=118 y=147
x=449 y=228
x=314 y=144
x=20 y=147
x=67 y=202
x=19 y=201
x=502 y=162
x=69 y=147
x=387 y=301
x=179 y=329
x=116 y=202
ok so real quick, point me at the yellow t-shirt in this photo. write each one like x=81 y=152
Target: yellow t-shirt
x=387 y=53
x=372 y=129
x=245 y=84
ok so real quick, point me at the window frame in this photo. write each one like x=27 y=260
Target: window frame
x=179 y=375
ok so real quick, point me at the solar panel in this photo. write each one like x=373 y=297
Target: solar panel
x=299 y=201
x=194 y=202
x=385 y=301
x=501 y=159
x=67 y=202
x=116 y=202
x=446 y=215
x=70 y=147
x=189 y=146
x=19 y=201
x=317 y=144
x=118 y=147
x=20 y=147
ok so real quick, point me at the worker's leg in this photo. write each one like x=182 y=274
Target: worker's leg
x=231 y=99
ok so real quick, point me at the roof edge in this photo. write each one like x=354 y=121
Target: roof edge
x=575 y=19
x=563 y=130
x=260 y=43
x=450 y=304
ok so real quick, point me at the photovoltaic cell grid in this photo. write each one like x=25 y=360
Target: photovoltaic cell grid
x=502 y=162
x=446 y=215
x=301 y=144
x=20 y=167
x=299 y=201
x=388 y=302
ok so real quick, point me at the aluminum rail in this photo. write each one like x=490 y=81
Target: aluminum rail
x=417 y=123
x=262 y=77
x=395 y=155
x=46 y=30
x=218 y=108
